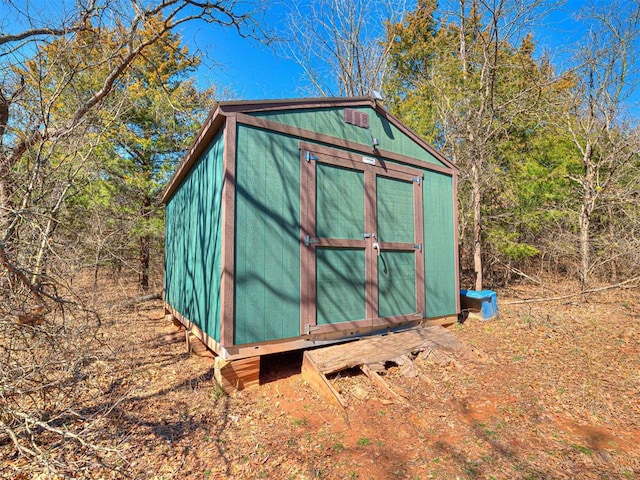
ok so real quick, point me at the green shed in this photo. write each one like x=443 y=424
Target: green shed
x=294 y=223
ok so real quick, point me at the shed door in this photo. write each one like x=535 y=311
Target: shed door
x=361 y=241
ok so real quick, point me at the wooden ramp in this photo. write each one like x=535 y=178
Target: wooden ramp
x=371 y=354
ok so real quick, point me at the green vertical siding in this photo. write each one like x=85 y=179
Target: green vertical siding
x=194 y=243
x=396 y=283
x=267 y=255
x=340 y=285
x=395 y=210
x=339 y=202
x=330 y=121
x=439 y=245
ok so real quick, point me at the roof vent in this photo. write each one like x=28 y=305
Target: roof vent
x=354 y=117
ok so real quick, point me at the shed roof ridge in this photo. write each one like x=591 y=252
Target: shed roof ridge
x=286 y=103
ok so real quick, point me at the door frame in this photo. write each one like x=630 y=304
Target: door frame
x=372 y=167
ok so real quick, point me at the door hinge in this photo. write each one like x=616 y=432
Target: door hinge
x=310 y=241
x=416 y=180
x=308 y=156
x=418 y=246
x=310 y=328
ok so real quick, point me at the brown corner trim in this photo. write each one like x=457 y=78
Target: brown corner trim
x=208 y=130
x=227 y=306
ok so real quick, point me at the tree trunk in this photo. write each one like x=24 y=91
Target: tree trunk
x=613 y=244
x=476 y=200
x=588 y=201
x=585 y=257
x=463 y=40
x=5 y=206
x=145 y=245
x=40 y=267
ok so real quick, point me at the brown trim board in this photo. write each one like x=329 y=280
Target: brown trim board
x=227 y=288
x=251 y=106
x=303 y=341
x=415 y=137
x=371 y=265
x=418 y=234
x=355 y=161
x=207 y=132
x=337 y=142
x=307 y=103
x=197 y=331
x=456 y=239
x=307 y=254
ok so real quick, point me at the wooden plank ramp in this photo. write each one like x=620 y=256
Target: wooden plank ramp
x=370 y=352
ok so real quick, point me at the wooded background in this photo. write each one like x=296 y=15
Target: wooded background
x=98 y=104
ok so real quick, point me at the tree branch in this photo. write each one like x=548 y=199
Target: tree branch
x=582 y=292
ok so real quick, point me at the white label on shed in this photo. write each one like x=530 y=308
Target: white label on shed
x=369 y=160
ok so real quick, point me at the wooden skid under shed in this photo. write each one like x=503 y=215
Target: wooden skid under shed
x=372 y=351
x=237 y=374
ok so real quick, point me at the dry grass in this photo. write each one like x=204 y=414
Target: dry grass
x=555 y=397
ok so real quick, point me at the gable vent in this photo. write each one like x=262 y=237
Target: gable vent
x=354 y=117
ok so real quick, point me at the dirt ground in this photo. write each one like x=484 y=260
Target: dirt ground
x=555 y=393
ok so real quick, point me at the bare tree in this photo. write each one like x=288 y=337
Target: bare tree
x=478 y=112
x=340 y=44
x=595 y=117
x=60 y=73
x=33 y=126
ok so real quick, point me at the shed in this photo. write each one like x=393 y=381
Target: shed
x=295 y=223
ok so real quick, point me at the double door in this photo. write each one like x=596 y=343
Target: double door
x=361 y=241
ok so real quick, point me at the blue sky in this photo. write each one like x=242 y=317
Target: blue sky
x=242 y=68
x=249 y=70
